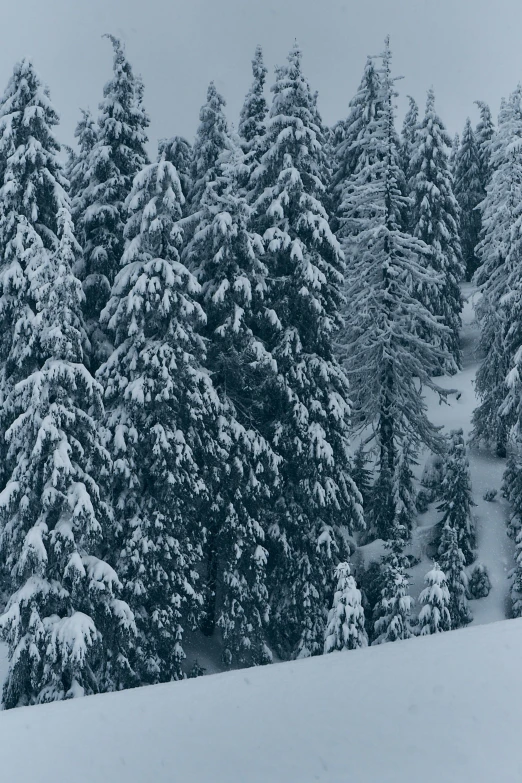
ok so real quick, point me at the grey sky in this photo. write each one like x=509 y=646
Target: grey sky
x=466 y=49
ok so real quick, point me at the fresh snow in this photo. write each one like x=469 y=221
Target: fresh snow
x=431 y=709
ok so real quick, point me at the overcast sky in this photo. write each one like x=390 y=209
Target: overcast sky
x=465 y=49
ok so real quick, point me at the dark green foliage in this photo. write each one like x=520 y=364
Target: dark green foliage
x=479 y=584
x=469 y=193
x=456 y=495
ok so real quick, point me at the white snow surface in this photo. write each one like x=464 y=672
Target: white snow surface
x=431 y=709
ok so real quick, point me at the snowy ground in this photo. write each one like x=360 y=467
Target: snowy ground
x=440 y=708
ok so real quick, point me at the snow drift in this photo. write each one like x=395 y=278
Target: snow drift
x=440 y=708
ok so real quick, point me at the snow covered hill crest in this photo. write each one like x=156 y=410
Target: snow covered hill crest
x=440 y=708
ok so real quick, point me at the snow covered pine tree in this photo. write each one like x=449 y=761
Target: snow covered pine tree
x=456 y=496
x=252 y=123
x=435 y=616
x=435 y=220
x=347 y=150
x=306 y=409
x=211 y=140
x=162 y=419
x=387 y=357
x=452 y=563
x=227 y=259
x=117 y=154
x=469 y=193
x=498 y=310
x=67 y=630
x=345 y=629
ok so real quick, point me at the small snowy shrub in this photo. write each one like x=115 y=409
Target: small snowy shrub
x=196 y=671
x=490 y=495
x=479 y=584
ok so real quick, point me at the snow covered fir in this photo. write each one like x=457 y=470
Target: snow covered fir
x=260 y=394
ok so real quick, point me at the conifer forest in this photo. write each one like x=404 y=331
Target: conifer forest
x=223 y=371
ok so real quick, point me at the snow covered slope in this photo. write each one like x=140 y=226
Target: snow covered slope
x=440 y=708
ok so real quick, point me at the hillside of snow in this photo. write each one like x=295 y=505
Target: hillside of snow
x=439 y=709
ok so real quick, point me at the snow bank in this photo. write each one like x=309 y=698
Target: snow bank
x=440 y=708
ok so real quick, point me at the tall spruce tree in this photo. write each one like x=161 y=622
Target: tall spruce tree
x=455 y=146
x=512 y=488
x=363 y=476
x=67 y=629
x=116 y=156
x=306 y=409
x=227 y=259
x=345 y=629
x=252 y=121
x=435 y=615
x=469 y=193
x=497 y=276
x=164 y=424
x=456 y=495
x=178 y=151
x=484 y=133
x=78 y=169
x=452 y=562
x=408 y=140
x=349 y=140
x=392 y=613
x=211 y=141
x=388 y=359
x=435 y=220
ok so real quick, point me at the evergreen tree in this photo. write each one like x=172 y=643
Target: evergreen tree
x=78 y=169
x=387 y=357
x=512 y=490
x=67 y=629
x=408 y=137
x=212 y=138
x=435 y=616
x=163 y=422
x=469 y=194
x=345 y=629
x=178 y=151
x=455 y=146
x=435 y=220
x=405 y=495
x=452 y=562
x=227 y=259
x=116 y=156
x=498 y=275
x=516 y=576
x=479 y=584
x=456 y=503
x=252 y=122
x=392 y=613
x=484 y=134
x=306 y=409
x=362 y=476
x=349 y=138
